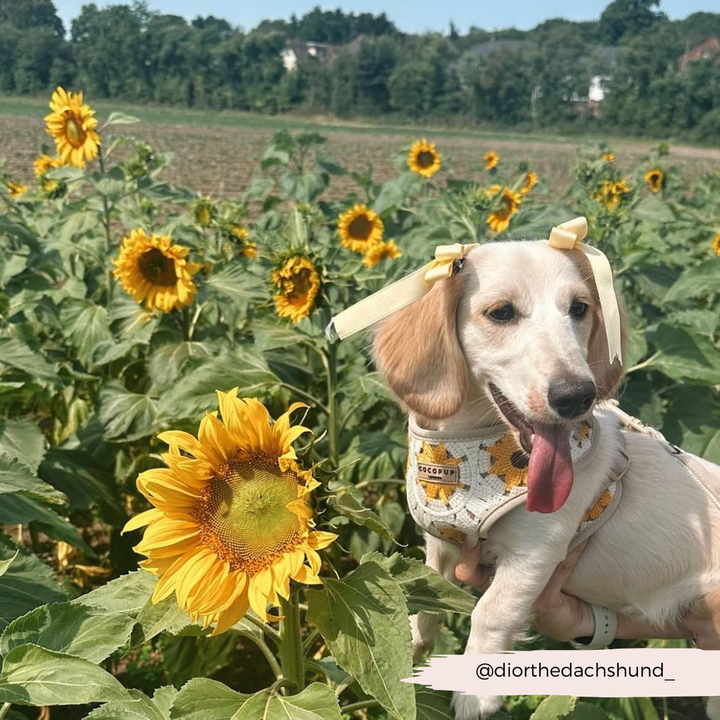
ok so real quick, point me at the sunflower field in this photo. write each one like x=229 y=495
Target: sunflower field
x=201 y=494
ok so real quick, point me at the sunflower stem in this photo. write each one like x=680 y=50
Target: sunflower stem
x=333 y=420
x=292 y=658
x=4 y=710
x=361 y=705
x=106 y=223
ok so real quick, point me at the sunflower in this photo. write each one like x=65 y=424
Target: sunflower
x=204 y=211
x=378 y=251
x=438 y=455
x=499 y=219
x=232 y=522
x=608 y=157
x=598 y=508
x=509 y=462
x=155 y=271
x=72 y=125
x=716 y=244
x=44 y=162
x=238 y=232
x=299 y=283
x=491 y=159
x=359 y=228
x=655 y=179
x=424 y=159
x=16 y=189
x=611 y=193
x=249 y=250
x=530 y=181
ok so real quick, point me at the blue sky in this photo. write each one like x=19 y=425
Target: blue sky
x=408 y=15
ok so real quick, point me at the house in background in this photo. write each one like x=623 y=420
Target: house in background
x=298 y=50
x=708 y=50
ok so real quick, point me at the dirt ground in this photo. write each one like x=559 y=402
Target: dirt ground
x=221 y=161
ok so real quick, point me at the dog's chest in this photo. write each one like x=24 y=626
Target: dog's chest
x=462 y=486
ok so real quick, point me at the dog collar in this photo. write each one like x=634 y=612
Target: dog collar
x=449 y=260
x=459 y=486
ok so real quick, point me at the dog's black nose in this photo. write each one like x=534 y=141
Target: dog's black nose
x=570 y=399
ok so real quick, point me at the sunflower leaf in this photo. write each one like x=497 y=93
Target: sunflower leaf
x=363 y=618
x=76 y=630
x=138 y=707
x=32 y=675
x=125 y=415
x=16 y=477
x=348 y=504
x=204 y=699
x=425 y=589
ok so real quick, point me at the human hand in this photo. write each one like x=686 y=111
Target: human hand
x=704 y=622
x=557 y=614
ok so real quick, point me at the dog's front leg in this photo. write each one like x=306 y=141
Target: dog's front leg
x=499 y=619
x=441 y=557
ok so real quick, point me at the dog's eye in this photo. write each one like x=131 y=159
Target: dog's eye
x=504 y=313
x=578 y=309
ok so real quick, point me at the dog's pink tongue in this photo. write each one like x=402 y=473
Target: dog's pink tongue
x=550 y=471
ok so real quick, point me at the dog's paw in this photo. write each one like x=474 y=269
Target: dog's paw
x=475 y=707
x=421 y=645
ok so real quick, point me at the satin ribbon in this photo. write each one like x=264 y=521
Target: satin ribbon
x=569 y=236
x=399 y=294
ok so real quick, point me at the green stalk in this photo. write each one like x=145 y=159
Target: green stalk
x=333 y=420
x=4 y=710
x=292 y=658
x=106 y=223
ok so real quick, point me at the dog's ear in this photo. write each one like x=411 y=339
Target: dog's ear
x=418 y=352
x=607 y=375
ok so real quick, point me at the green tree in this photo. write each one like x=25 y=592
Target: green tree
x=627 y=17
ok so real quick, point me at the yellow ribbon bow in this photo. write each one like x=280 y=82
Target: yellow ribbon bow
x=570 y=235
x=399 y=294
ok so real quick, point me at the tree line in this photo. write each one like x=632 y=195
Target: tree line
x=538 y=78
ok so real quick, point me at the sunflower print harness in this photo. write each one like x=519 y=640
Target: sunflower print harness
x=462 y=486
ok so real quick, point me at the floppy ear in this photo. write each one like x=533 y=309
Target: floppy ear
x=418 y=352
x=607 y=375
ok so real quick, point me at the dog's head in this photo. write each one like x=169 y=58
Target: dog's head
x=521 y=323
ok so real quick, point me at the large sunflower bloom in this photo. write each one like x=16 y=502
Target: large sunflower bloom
x=232 y=522
x=655 y=179
x=72 y=125
x=16 y=189
x=424 y=159
x=359 y=228
x=491 y=159
x=155 y=271
x=499 y=219
x=298 y=283
x=43 y=163
x=530 y=181
x=379 y=251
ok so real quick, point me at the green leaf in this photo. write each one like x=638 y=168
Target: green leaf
x=15 y=508
x=347 y=503
x=138 y=706
x=695 y=282
x=167 y=362
x=377 y=455
x=125 y=415
x=76 y=630
x=394 y=192
x=118 y=118
x=5 y=564
x=586 y=711
x=304 y=187
x=686 y=355
x=86 y=326
x=693 y=421
x=363 y=619
x=653 y=209
x=195 y=392
x=554 y=707
x=425 y=589
x=16 y=354
x=22 y=439
x=161 y=617
x=629 y=708
x=237 y=284
x=128 y=594
x=18 y=477
x=432 y=704
x=32 y=675
x=25 y=583
x=203 y=699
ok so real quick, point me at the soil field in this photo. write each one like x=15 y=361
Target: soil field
x=219 y=153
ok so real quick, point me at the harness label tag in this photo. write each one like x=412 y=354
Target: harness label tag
x=442 y=474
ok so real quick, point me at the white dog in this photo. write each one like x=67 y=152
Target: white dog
x=516 y=340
